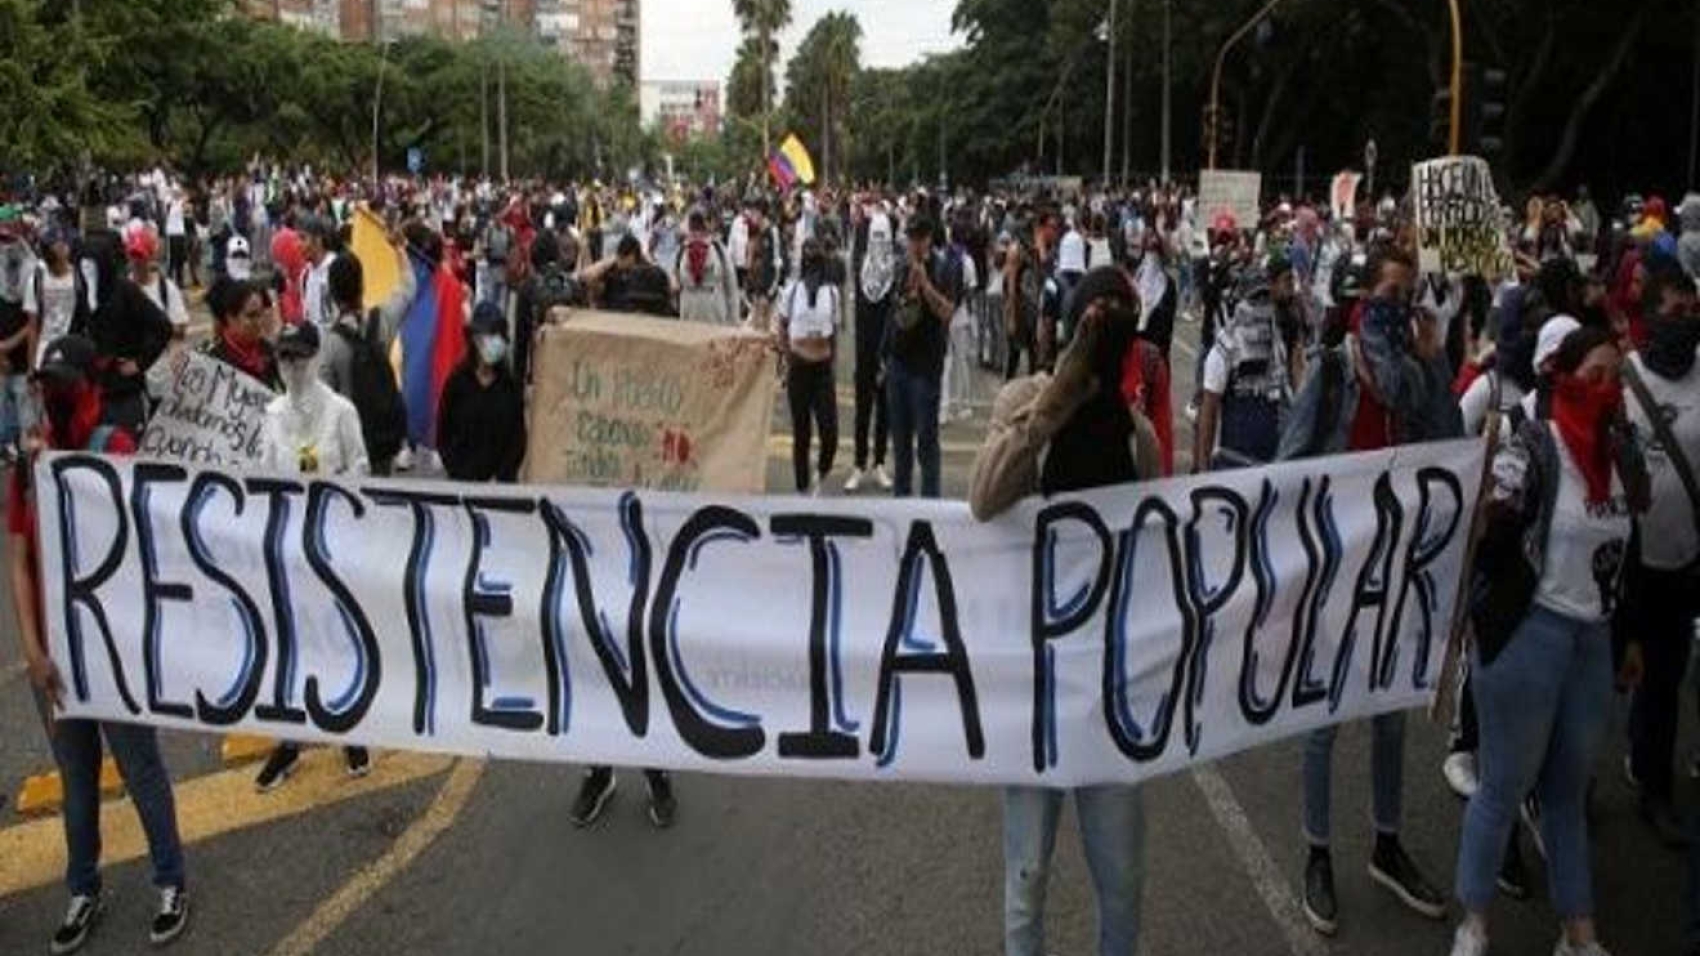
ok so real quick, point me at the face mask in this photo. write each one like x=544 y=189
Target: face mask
x=1671 y=345
x=1591 y=402
x=492 y=349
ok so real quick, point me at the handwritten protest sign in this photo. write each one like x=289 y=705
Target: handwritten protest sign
x=211 y=416
x=1238 y=194
x=1343 y=195
x=625 y=401
x=1102 y=637
x=1460 y=222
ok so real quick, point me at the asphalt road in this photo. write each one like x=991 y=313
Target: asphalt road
x=434 y=857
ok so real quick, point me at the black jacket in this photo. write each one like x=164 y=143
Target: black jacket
x=481 y=429
x=123 y=323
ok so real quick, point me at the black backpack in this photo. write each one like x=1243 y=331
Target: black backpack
x=556 y=288
x=648 y=291
x=372 y=389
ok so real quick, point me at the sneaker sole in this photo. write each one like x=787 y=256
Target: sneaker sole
x=1433 y=911
x=1326 y=927
x=58 y=949
x=279 y=781
x=596 y=810
x=357 y=773
x=182 y=924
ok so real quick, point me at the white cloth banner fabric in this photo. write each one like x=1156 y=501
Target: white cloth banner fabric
x=1092 y=638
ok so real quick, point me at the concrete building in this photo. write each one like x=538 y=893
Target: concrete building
x=319 y=16
x=601 y=34
x=683 y=108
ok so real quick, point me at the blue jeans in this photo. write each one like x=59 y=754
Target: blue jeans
x=14 y=406
x=912 y=404
x=1387 y=777
x=1543 y=706
x=1112 y=830
x=77 y=752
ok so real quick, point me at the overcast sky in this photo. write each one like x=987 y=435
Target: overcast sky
x=698 y=39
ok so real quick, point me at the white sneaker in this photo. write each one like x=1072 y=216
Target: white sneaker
x=1567 y=948
x=818 y=489
x=404 y=459
x=1192 y=412
x=1467 y=942
x=1459 y=769
x=883 y=477
x=854 y=483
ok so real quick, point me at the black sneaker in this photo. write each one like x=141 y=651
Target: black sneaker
x=1662 y=820
x=80 y=917
x=593 y=796
x=1393 y=868
x=278 y=768
x=359 y=761
x=173 y=916
x=1513 y=878
x=1320 y=907
x=662 y=807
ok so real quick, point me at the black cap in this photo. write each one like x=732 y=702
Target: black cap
x=487 y=319
x=298 y=341
x=67 y=359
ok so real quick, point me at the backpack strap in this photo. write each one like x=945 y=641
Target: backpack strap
x=101 y=437
x=1662 y=432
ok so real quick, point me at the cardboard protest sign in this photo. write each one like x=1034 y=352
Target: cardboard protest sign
x=379 y=268
x=1460 y=222
x=212 y=415
x=1238 y=194
x=1343 y=196
x=1104 y=637
x=626 y=401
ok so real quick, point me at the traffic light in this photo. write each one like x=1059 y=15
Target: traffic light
x=1485 y=114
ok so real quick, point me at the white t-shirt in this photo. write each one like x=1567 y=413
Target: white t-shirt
x=326 y=426
x=174 y=219
x=1671 y=513
x=58 y=304
x=1474 y=404
x=805 y=322
x=1215 y=371
x=1098 y=253
x=970 y=281
x=313 y=294
x=1586 y=545
x=1071 y=252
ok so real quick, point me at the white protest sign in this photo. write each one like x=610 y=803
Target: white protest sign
x=1092 y=638
x=1343 y=196
x=213 y=415
x=1238 y=194
x=1460 y=222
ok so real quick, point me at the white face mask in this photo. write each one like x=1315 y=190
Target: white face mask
x=492 y=349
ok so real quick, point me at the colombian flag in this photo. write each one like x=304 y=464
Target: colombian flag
x=431 y=343
x=790 y=164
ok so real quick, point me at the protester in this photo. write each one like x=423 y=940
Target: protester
x=320 y=247
x=240 y=314
x=1248 y=380
x=52 y=295
x=355 y=360
x=874 y=270
x=914 y=359
x=1662 y=397
x=481 y=426
x=18 y=325
x=309 y=430
x=141 y=247
x=128 y=330
x=807 y=334
x=1052 y=436
x=1386 y=385
x=957 y=388
x=705 y=282
x=1559 y=522
x=1032 y=296
x=74 y=421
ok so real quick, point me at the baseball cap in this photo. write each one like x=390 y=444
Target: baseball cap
x=67 y=359
x=487 y=319
x=298 y=341
x=1552 y=336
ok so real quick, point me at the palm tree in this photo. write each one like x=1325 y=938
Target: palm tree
x=764 y=18
x=841 y=59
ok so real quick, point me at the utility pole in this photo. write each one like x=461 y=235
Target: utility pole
x=1168 y=6
x=1110 y=98
x=766 y=78
x=502 y=110
x=1216 y=77
x=377 y=106
x=1127 y=117
x=484 y=110
x=1457 y=77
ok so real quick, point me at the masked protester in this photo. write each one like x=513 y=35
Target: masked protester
x=241 y=313
x=1247 y=385
x=807 y=315
x=1053 y=436
x=128 y=330
x=704 y=281
x=309 y=430
x=1387 y=384
x=1559 y=519
x=915 y=345
x=481 y=418
x=1663 y=384
x=73 y=420
x=874 y=257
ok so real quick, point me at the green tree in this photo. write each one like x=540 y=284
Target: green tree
x=818 y=84
x=763 y=19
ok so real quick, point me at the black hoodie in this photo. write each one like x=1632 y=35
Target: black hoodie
x=116 y=315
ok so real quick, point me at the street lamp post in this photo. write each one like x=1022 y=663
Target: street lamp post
x=377 y=106
x=1457 y=77
x=1168 y=6
x=1216 y=77
x=1110 y=99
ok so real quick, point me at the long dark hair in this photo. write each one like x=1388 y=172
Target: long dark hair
x=813 y=268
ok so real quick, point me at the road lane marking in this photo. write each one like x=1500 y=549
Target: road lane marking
x=445 y=808
x=207 y=807
x=1265 y=876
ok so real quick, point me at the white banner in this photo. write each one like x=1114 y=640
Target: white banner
x=1235 y=193
x=1108 y=636
x=213 y=415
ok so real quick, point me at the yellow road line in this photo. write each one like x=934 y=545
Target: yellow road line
x=438 y=817
x=207 y=807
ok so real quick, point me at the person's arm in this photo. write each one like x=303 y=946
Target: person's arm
x=1204 y=436
x=353 y=442
x=937 y=302
x=43 y=673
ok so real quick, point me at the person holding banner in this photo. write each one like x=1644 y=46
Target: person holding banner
x=1388 y=384
x=481 y=422
x=1560 y=510
x=74 y=411
x=1053 y=435
x=309 y=430
x=240 y=313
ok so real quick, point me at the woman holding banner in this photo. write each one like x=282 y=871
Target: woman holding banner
x=240 y=311
x=1560 y=511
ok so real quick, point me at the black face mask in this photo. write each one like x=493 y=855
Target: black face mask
x=1671 y=345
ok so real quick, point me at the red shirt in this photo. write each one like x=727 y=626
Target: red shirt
x=1151 y=398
